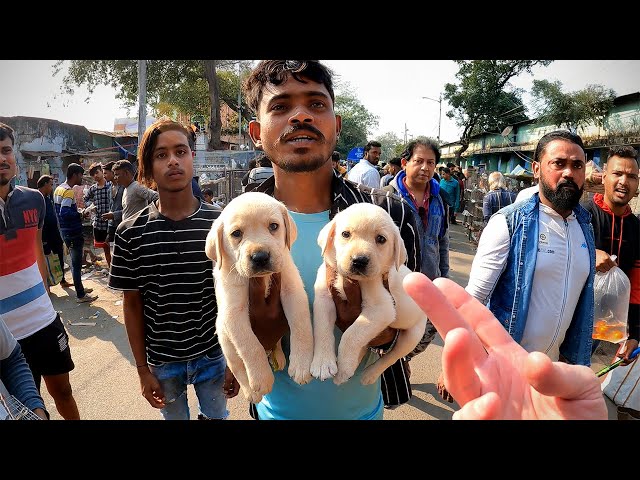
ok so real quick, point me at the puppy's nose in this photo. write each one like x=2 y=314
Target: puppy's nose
x=260 y=258
x=360 y=262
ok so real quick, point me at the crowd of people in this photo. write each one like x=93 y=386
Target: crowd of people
x=517 y=339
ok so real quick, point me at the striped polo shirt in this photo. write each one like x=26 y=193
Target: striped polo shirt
x=67 y=211
x=24 y=304
x=165 y=260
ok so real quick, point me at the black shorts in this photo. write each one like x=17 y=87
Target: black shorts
x=100 y=238
x=47 y=351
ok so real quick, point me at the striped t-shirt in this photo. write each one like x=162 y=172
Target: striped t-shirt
x=24 y=304
x=165 y=260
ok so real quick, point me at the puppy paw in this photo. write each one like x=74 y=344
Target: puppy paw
x=300 y=372
x=342 y=376
x=261 y=385
x=323 y=368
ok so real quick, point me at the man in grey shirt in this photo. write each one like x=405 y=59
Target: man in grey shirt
x=135 y=196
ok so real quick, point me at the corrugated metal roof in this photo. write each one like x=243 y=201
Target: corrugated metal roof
x=113 y=134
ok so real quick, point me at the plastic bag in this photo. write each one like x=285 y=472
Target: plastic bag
x=54 y=269
x=611 y=292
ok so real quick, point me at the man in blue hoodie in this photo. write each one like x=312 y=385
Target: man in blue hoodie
x=416 y=185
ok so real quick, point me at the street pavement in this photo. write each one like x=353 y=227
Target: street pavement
x=105 y=382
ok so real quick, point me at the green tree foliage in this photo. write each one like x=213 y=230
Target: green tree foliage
x=357 y=122
x=190 y=87
x=482 y=101
x=574 y=109
x=392 y=146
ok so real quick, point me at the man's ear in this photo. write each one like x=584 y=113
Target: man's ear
x=535 y=166
x=254 y=133
x=338 y=125
x=213 y=246
x=290 y=227
x=325 y=240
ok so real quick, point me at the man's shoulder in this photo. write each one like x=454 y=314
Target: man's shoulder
x=139 y=219
x=26 y=197
x=208 y=211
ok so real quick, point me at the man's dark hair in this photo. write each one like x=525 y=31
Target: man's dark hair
x=446 y=170
x=370 y=144
x=623 y=151
x=74 y=169
x=43 y=180
x=556 y=135
x=7 y=131
x=397 y=161
x=425 y=142
x=276 y=72
x=335 y=156
x=451 y=165
x=207 y=191
x=124 y=165
x=94 y=167
x=109 y=165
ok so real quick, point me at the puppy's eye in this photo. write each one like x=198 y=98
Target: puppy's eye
x=346 y=234
x=236 y=234
x=380 y=239
x=273 y=227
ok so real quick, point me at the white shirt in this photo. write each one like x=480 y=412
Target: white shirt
x=561 y=270
x=365 y=173
x=526 y=193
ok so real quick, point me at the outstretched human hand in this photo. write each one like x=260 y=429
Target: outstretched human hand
x=489 y=374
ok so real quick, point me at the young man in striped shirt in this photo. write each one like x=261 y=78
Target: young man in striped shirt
x=169 y=300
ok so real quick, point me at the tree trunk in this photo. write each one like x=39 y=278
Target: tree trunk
x=460 y=151
x=215 y=125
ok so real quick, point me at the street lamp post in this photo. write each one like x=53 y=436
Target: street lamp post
x=439 y=114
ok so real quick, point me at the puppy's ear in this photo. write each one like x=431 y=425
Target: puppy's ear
x=399 y=250
x=213 y=245
x=325 y=240
x=291 y=230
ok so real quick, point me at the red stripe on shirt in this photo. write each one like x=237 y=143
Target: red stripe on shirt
x=18 y=253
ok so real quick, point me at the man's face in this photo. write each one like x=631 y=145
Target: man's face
x=207 y=198
x=561 y=171
x=421 y=165
x=8 y=166
x=394 y=169
x=297 y=128
x=98 y=175
x=373 y=155
x=620 y=180
x=172 y=161
x=47 y=188
x=108 y=175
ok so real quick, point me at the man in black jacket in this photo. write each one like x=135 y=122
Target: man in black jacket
x=617 y=230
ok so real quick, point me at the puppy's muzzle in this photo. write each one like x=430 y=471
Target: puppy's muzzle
x=260 y=261
x=359 y=264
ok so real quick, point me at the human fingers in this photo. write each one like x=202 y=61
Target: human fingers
x=567 y=382
x=459 y=366
x=440 y=311
x=491 y=333
x=487 y=407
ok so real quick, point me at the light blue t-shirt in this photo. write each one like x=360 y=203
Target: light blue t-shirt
x=318 y=400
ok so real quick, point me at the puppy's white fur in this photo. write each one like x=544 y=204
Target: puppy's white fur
x=252 y=226
x=363 y=233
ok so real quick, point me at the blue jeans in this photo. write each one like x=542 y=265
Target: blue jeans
x=206 y=374
x=75 y=246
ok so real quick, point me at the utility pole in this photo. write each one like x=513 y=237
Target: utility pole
x=142 y=98
x=405 y=133
x=439 y=113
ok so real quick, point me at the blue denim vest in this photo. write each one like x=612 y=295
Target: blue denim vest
x=512 y=293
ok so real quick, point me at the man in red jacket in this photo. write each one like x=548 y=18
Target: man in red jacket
x=617 y=230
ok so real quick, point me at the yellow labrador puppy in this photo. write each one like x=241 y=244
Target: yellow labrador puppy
x=362 y=243
x=252 y=237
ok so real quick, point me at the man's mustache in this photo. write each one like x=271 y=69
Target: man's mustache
x=300 y=128
x=567 y=184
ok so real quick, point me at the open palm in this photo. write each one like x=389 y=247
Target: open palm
x=489 y=374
